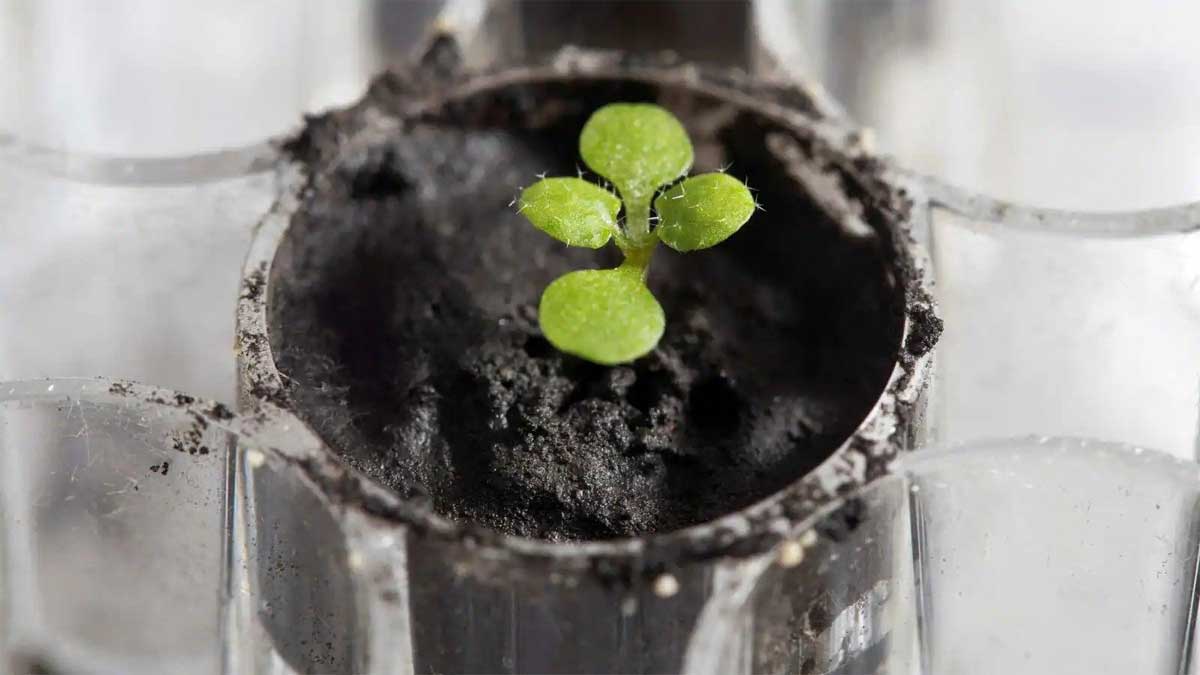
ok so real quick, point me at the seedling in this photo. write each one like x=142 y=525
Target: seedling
x=610 y=316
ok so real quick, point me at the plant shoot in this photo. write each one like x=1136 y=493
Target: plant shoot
x=610 y=316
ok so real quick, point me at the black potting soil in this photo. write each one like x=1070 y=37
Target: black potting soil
x=403 y=317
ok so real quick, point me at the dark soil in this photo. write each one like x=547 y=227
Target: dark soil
x=402 y=315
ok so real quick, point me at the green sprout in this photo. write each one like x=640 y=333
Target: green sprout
x=610 y=316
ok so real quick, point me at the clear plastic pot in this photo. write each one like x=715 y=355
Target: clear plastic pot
x=114 y=504
x=448 y=597
x=1065 y=323
x=1039 y=556
x=145 y=531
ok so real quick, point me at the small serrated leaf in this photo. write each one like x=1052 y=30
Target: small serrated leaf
x=571 y=210
x=604 y=316
x=702 y=211
x=637 y=146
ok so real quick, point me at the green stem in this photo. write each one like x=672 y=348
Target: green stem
x=638 y=259
x=637 y=242
x=637 y=221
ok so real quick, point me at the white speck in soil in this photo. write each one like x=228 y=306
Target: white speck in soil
x=666 y=585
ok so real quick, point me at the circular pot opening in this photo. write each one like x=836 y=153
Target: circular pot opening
x=401 y=312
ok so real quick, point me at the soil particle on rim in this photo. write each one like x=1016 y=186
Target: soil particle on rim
x=252 y=285
x=191 y=440
x=924 y=330
x=402 y=314
x=221 y=412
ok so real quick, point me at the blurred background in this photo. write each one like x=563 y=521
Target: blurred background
x=1086 y=105
x=134 y=147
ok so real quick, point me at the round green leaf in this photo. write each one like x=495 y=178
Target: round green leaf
x=702 y=211
x=637 y=146
x=571 y=210
x=604 y=316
